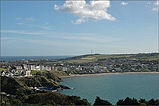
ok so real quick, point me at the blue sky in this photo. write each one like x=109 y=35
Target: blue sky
x=54 y=28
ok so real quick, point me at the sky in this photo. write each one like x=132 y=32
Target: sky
x=66 y=28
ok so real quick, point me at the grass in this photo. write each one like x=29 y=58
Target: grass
x=95 y=58
x=145 y=70
x=35 y=71
x=57 y=73
x=2 y=69
x=92 y=58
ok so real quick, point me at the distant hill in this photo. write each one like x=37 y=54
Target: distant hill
x=96 y=57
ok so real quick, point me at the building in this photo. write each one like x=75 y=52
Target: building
x=25 y=66
x=18 y=67
x=64 y=69
x=37 y=68
x=33 y=67
x=28 y=73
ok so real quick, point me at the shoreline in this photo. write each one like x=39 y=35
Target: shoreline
x=99 y=74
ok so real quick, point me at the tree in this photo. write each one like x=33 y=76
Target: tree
x=120 y=102
x=4 y=101
x=152 y=102
x=20 y=95
x=128 y=101
x=99 y=101
x=143 y=102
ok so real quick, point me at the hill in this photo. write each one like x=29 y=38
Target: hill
x=40 y=79
x=99 y=57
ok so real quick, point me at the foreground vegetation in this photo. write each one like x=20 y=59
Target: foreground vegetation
x=57 y=99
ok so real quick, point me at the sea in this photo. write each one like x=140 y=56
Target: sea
x=15 y=58
x=113 y=87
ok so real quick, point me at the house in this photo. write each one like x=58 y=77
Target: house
x=64 y=68
x=28 y=73
x=37 y=68
x=25 y=66
x=18 y=67
x=33 y=67
x=3 y=73
x=48 y=68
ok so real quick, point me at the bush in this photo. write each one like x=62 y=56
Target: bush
x=99 y=101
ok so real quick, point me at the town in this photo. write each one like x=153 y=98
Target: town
x=23 y=68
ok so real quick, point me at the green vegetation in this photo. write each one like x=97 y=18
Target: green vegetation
x=40 y=79
x=146 y=70
x=99 y=101
x=33 y=72
x=56 y=73
x=12 y=85
x=141 y=102
x=49 y=75
x=59 y=73
x=57 y=99
x=96 y=57
x=2 y=69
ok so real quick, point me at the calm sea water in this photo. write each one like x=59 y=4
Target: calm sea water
x=14 y=58
x=114 y=87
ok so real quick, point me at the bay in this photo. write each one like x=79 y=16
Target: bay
x=114 y=87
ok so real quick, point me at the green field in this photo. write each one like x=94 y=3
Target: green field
x=96 y=57
x=2 y=69
x=35 y=71
x=57 y=73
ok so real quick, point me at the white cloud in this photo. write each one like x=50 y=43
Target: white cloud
x=156 y=3
x=44 y=26
x=67 y=36
x=123 y=3
x=156 y=6
x=100 y=39
x=30 y=19
x=6 y=38
x=22 y=32
x=18 y=18
x=94 y=9
x=79 y=21
x=48 y=34
x=155 y=9
x=148 y=5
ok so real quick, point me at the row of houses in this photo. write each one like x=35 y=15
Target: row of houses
x=58 y=68
x=34 y=67
x=16 y=73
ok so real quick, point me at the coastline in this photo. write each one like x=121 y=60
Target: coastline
x=99 y=74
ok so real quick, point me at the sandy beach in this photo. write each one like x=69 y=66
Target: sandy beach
x=84 y=75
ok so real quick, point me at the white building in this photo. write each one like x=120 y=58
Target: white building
x=37 y=68
x=64 y=68
x=25 y=66
x=28 y=73
x=18 y=67
x=33 y=67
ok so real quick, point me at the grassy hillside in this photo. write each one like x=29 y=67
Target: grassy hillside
x=12 y=85
x=45 y=79
x=56 y=73
x=2 y=69
x=96 y=57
